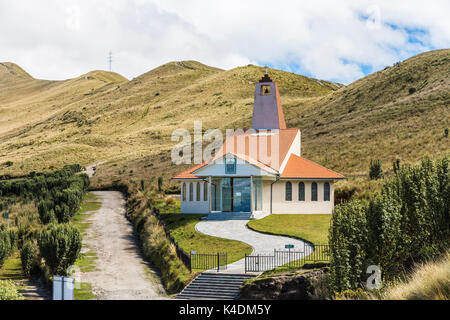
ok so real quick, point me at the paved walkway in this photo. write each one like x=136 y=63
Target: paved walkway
x=237 y=230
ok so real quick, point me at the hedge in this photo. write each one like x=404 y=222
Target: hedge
x=406 y=223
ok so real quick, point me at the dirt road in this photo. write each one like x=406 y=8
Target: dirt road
x=121 y=271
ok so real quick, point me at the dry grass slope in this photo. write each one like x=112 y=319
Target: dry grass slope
x=102 y=116
x=430 y=281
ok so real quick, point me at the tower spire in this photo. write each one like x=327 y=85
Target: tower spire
x=267 y=110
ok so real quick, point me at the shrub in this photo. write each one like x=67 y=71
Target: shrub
x=46 y=215
x=375 y=171
x=160 y=183
x=156 y=246
x=344 y=194
x=172 y=190
x=396 y=165
x=8 y=291
x=358 y=294
x=60 y=246
x=412 y=90
x=7 y=243
x=407 y=222
x=446 y=132
x=348 y=241
x=9 y=163
x=28 y=257
x=170 y=201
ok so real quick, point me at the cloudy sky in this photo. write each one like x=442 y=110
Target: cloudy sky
x=334 y=40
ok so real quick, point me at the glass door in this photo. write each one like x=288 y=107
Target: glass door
x=242 y=191
x=236 y=194
x=227 y=195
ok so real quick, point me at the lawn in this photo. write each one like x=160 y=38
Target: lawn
x=12 y=268
x=182 y=229
x=310 y=227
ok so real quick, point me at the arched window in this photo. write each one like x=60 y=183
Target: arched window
x=301 y=191
x=288 y=191
x=314 y=191
x=205 y=191
x=191 y=191
x=198 y=191
x=183 y=191
x=326 y=192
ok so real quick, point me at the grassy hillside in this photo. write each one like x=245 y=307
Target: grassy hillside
x=399 y=112
x=102 y=116
x=99 y=117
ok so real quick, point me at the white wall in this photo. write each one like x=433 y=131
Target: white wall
x=281 y=206
x=279 y=203
x=194 y=206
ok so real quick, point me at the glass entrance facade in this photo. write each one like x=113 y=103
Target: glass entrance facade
x=242 y=195
x=235 y=195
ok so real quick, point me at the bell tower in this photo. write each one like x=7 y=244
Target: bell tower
x=267 y=110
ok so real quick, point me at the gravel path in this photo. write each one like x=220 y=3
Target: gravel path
x=121 y=271
x=237 y=230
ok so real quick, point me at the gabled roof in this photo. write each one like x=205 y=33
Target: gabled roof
x=301 y=168
x=188 y=174
x=245 y=158
x=242 y=142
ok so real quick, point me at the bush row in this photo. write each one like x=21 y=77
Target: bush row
x=406 y=223
x=8 y=242
x=156 y=246
x=58 y=194
x=8 y=291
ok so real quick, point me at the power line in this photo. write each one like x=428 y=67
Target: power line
x=110 y=60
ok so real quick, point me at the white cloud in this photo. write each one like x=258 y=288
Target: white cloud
x=57 y=39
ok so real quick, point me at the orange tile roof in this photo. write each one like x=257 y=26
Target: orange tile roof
x=298 y=167
x=188 y=173
x=285 y=139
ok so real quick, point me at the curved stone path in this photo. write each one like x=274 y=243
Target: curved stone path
x=237 y=230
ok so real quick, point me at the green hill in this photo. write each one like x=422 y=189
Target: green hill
x=399 y=112
x=102 y=116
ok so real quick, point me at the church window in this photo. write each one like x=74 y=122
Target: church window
x=314 y=191
x=266 y=90
x=288 y=191
x=326 y=192
x=301 y=191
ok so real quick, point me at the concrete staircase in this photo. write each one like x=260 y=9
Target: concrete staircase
x=214 y=286
x=229 y=216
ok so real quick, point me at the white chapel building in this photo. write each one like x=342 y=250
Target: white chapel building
x=260 y=171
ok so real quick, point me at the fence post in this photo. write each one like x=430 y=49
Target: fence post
x=246 y=263
x=259 y=262
x=218 y=262
x=190 y=262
